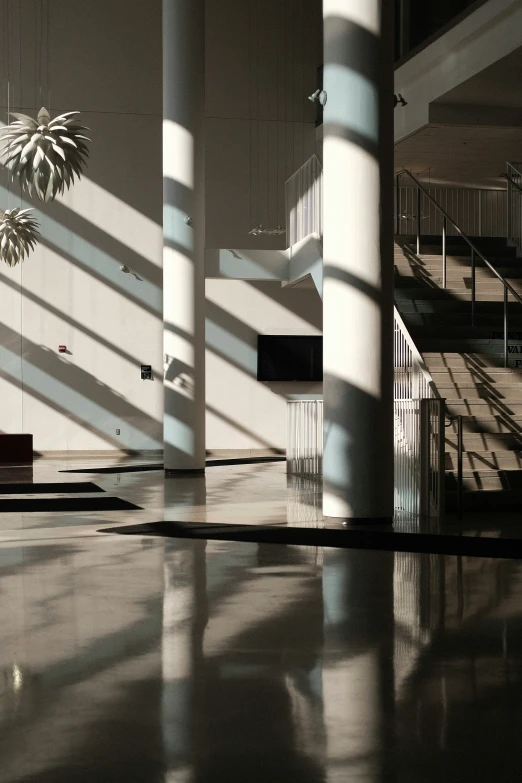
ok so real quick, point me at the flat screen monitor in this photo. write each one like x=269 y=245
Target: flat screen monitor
x=288 y=357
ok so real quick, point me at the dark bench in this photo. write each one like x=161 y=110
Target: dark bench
x=16 y=449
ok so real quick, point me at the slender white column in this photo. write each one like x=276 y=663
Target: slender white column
x=184 y=233
x=358 y=259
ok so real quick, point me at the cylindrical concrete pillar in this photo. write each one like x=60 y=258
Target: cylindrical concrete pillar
x=184 y=234
x=358 y=260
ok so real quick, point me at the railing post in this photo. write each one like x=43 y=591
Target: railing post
x=508 y=208
x=506 y=350
x=473 y=287
x=418 y=220
x=424 y=450
x=441 y=454
x=397 y=205
x=444 y=259
x=460 y=450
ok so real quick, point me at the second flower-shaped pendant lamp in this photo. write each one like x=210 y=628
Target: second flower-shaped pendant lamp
x=46 y=154
x=18 y=235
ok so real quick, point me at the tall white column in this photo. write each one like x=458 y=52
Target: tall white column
x=358 y=260
x=184 y=234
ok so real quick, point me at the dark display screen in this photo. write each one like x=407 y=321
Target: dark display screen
x=289 y=357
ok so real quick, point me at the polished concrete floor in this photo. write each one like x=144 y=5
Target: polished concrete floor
x=151 y=660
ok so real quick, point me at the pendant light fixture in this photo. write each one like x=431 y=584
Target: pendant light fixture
x=19 y=230
x=46 y=154
x=18 y=234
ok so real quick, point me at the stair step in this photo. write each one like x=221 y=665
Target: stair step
x=486 y=245
x=491 y=321
x=434 y=273
x=488 y=393
x=485 y=461
x=453 y=359
x=472 y=345
x=486 y=423
x=486 y=480
x=484 y=441
x=451 y=331
x=477 y=407
x=458 y=307
x=476 y=379
x=424 y=292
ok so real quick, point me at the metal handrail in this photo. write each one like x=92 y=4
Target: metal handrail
x=430 y=383
x=512 y=181
x=460 y=454
x=474 y=252
x=419 y=442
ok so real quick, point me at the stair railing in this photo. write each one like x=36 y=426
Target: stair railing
x=419 y=431
x=304 y=201
x=514 y=206
x=480 y=212
x=475 y=253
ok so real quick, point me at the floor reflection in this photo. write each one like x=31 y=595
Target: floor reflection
x=176 y=661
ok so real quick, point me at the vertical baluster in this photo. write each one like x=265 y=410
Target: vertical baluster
x=418 y=220
x=505 y=326
x=444 y=252
x=397 y=205
x=473 y=285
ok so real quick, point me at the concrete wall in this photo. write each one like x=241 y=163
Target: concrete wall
x=243 y=413
x=71 y=291
x=104 y=58
x=262 y=59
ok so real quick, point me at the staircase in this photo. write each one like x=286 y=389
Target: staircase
x=466 y=363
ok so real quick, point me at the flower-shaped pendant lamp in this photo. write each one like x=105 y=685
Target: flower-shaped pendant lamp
x=46 y=154
x=18 y=235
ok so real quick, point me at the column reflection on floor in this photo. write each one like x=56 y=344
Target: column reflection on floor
x=242 y=663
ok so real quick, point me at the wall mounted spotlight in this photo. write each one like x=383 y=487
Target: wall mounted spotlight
x=318 y=95
x=399 y=99
x=127 y=271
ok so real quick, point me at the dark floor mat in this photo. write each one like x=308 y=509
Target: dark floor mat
x=54 y=488
x=341 y=538
x=209 y=463
x=14 y=505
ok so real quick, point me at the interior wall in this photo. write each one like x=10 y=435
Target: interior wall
x=104 y=59
x=261 y=65
x=242 y=412
x=71 y=291
x=262 y=58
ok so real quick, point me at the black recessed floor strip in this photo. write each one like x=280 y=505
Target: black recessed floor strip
x=115 y=469
x=242 y=461
x=54 y=488
x=26 y=505
x=210 y=463
x=428 y=543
